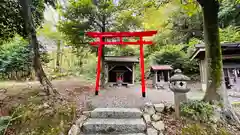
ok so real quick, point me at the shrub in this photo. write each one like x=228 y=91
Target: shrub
x=196 y=129
x=16 y=59
x=174 y=56
x=4 y=120
x=197 y=110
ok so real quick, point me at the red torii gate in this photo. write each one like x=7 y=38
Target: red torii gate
x=120 y=35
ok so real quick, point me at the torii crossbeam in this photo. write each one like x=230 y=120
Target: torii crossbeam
x=121 y=35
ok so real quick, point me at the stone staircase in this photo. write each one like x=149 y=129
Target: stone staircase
x=114 y=121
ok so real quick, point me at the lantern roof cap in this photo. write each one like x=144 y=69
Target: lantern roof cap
x=178 y=76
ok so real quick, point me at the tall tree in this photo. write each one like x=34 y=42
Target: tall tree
x=31 y=33
x=216 y=90
x=16 y=19
x=184 y=25
x=105 y=15
x=12 y=21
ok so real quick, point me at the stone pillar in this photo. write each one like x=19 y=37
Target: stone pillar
x=178 y=99
x=203 y=74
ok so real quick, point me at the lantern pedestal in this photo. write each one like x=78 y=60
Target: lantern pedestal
x=178 y=99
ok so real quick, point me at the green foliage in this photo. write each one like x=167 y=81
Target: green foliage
x=173 y=55
x=124 y=51
x=43 y=118
x=16 y=57
x=70 y=64
x=11 y=17
x=196 y=129
x=48 y=31
x=85 y=15
x=185 y=27
x=4 y=120
x=197 y=110
x=229 y=13
x=187 y=22
x=230 y=34
x=89 y=67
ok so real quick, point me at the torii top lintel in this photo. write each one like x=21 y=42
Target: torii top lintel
x=121 y=34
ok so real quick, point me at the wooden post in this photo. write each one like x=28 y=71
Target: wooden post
x=142 y=67
x=133 y=74
x=168 y=75
x=154 y=78
x=98 y=65
x=106 y=73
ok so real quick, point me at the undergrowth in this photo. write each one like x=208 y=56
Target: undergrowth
x=41 y=117
x=197 y=110
x=197 y=129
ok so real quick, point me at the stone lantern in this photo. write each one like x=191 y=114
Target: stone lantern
x=178 y=84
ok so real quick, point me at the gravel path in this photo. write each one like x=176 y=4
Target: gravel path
x=131 y=97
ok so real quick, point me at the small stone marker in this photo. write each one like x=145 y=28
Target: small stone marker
x=156 y=117
x=159 y=107
x=147 y=118
x=178 y=84
x=158 y=125
x=149 y=108
x=152 y=131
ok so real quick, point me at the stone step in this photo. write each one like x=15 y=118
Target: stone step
x=112 y=126
x=116 y=113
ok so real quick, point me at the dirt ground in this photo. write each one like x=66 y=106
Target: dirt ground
x=71 y=88
x=82 y=92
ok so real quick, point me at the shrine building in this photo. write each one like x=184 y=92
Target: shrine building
x=231 y=64
x=120 y=68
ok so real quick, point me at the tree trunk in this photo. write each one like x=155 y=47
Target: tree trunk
x=80 y=56
x=216 y=90
x=58 y=56
x=27 y=15
x=213 y=49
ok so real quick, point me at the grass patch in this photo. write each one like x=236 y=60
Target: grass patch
x=41 y=116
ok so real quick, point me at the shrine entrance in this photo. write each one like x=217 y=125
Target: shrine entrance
x=119 y=36
x=120 y=69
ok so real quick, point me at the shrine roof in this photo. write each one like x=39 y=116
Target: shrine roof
x=132 y=59
x=228 y=50
x=161 y=67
